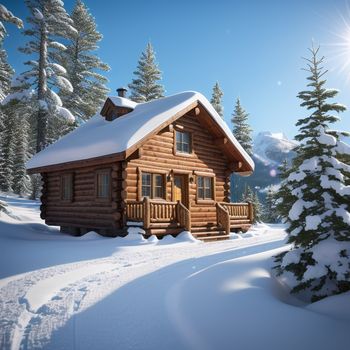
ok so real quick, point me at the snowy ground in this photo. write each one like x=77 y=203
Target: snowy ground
x=62 y=292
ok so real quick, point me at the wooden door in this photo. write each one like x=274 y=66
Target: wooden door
x=180 y=192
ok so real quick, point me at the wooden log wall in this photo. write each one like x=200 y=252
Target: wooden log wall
x=207 y=157
x=84 y=212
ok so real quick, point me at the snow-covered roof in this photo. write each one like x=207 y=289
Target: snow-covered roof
x=122 y=102
x=98 y=137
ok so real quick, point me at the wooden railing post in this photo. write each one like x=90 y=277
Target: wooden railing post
x=223 y=218
x=250 y=212
x=183 y=216
x=178 y=212
x=146 y=213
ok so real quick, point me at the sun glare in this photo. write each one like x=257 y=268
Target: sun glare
x=338 y=52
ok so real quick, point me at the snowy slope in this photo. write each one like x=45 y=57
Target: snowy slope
x=92 y=292
x=273 y=148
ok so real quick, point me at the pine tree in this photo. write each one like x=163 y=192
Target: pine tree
x=257 y=208
x=216 y=99
x=7 y=149
x=252 y=197
x=284 y=197
x=21 y=181
x=241 y=129
x=83 y=66
x=145 y=86
x=318 y=219
x=269 y=212
x=6 y=70
x=36 y=87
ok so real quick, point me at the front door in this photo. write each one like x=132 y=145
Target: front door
x=180 y=192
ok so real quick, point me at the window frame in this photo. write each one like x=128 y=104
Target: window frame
x=203 y=199
x=153 y=173
x=109 y=188
x=70 y=178
x=190 y=134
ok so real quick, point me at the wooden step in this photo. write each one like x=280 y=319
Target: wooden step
x=205 y=228
x=164 y=225
x=203 y=233
x=212 y=238
x=239 y=221
x=243 y=227
x=163 y=231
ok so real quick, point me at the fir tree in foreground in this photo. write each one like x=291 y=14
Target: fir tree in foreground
x=241 y=129
x=318 y=220
x=145 y=87
x=83 y=66
x=284 y=197
x=216 y=99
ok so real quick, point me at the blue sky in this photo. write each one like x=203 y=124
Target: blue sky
x=253 y=48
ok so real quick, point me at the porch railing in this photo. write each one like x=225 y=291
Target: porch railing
x=150 y=211
x=234 y=213
x=239 y=210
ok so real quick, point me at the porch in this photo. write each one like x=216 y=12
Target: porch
x=163 y=217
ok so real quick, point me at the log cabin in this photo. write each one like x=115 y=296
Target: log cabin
x=165 y=164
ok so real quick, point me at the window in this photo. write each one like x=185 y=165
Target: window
x=158 y=186
x=103 y=184
x=146 y=185
x=205 y=188
x=67 y=187
x=183 y=142
x=152 y=185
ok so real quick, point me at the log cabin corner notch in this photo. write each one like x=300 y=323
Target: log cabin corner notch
x=166 y=163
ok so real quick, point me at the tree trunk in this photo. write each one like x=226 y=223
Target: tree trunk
x=42 y=86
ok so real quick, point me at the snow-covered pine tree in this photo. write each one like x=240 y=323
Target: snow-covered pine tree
x=6 y=70
x=269 y=212
x=251 y=196
x=257 y=208
x=241 y=129
x=216 y=99
x=7 y=148
x=21 y=181
x=319 y=218
x=83 y=66
x=36 y=87
x=284 y=197
x=145 y=86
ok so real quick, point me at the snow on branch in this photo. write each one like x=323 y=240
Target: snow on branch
x=57 y=68
x=19 y=96
x=37 y=14
x=66 y=114
x=7 y=16
x=342 y=148
x=57 y=45
x=64 y=83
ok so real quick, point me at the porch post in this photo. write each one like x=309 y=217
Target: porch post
x=250 y=212
x=146 y=213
